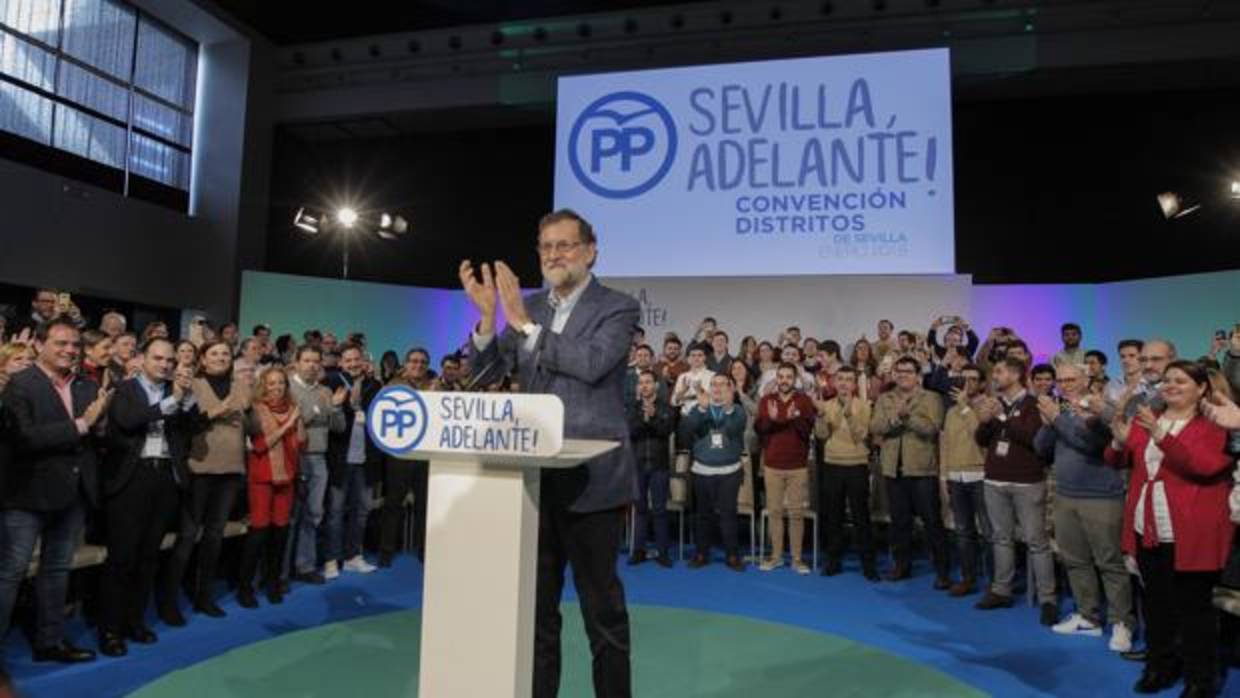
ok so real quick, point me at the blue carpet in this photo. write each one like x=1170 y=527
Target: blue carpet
x=1004 y=653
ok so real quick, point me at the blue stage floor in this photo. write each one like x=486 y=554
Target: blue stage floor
x=1003 y=653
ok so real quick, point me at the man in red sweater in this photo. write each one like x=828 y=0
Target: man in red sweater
x=784 y=421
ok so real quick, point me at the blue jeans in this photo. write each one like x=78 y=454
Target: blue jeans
x=302 y=553
x=346 y=516
x=652 y=485
x=61 y=533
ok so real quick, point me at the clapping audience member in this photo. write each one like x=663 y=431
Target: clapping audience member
x=277 y=436
x=96 y=355
x=963 y=465
x=715 y=427
x=1178 y=527
x=651 y=422
x=321 y=414
x=843 y=428
x=51 y=483
x=1088 y=511
x=784 y=423
x=217 y=465
x=400 y=476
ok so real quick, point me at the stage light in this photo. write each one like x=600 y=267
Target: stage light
x=347 y=216
x=1174 y=206
x=385 y=221
x=306 y=222
x=1235 y=189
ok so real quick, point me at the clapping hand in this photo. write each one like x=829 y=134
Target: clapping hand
x=1049 y=409
x=1120 y=428
x=1221 y=410
x=772 y=410
x=481 y=293
x=510 y=298
x=339 y=396
x=96 y=409
x=1146 y=418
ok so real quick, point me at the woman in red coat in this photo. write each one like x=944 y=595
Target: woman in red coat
x=1177 y=526
x=277 y=437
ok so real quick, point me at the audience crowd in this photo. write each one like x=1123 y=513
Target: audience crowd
x=989 y=461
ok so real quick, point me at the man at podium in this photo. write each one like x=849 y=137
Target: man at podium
x=571 y=340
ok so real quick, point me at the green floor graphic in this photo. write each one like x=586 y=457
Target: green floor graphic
x=677 y=653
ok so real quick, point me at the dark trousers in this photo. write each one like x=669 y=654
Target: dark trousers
x=1178 y=605
x=589 y=543
x=203 y=516
x=58 y=534
x=653 y=490
x=916 y=496
x=138 y=516
x=400 y=477
x=968 y=502
x=714 y=497
x=842 y=485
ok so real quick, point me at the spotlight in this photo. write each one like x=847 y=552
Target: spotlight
x=306 y=222
x=1174 y=206
x=391 y=226
x=347 y=216
x=1235 y=189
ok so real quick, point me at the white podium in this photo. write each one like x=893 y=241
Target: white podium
x=486 y=454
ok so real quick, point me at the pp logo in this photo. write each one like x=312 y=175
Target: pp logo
x=397 y=420
x=622 y=145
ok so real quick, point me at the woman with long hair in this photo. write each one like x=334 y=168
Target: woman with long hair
x=216 y=463
x=1177 y=525
x=863 y=360
x=277 y=436
x=389 y=366
x=187 y=355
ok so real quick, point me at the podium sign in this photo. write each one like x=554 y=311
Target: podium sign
x=486 y=452
x=403 y=421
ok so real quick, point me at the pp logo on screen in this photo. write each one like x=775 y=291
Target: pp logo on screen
x=397 y=419
x=622 y=145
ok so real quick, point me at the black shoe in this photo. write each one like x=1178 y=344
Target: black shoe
x=273 y=594
x=1140 y=655
x=385 y=560
x=1195 y=689
x=207 y=607
x=171 y=616
x=869 y=568
x=1155 y=681
x=63 y=653
x=309 y=578
x=664 y=560
x=637 y=558
x=698 y=562
x=1050 y=614
x=112 y=645
x=942 y=583
x=245 y=597
x=900 y=572
x=142 y=635
x=992 y=601
x=832 y=568
x=283 y=586
x=734 y=563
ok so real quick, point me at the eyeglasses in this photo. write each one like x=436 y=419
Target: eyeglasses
x=559 y=247
x=1149 y=359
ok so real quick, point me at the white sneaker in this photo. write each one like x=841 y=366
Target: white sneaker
x=771 y=563
x=1121 y=638
x=800 y=567
x=330 y=570
x=357 y=563
x=1077 y=624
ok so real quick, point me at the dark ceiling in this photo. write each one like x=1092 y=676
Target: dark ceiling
x=311 y=22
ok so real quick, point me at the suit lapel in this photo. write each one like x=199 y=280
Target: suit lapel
x=584 y=311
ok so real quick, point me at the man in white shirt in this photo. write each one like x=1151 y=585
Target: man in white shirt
x=693 y=381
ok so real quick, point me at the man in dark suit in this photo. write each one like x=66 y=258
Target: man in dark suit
x=148 y=437
x=51 y=483
x=572 y=341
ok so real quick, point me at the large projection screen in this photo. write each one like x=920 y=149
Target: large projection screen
x=830 y=165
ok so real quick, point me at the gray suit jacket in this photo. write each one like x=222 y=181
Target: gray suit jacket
x=585 y=366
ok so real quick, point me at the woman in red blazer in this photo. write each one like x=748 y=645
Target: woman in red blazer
x=1177 y=526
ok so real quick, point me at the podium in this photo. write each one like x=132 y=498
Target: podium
x=486 y=453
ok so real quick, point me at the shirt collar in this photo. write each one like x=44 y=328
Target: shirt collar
x=1019 y=396
x=567 y=303
x=149 y=386
x=57 y=380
